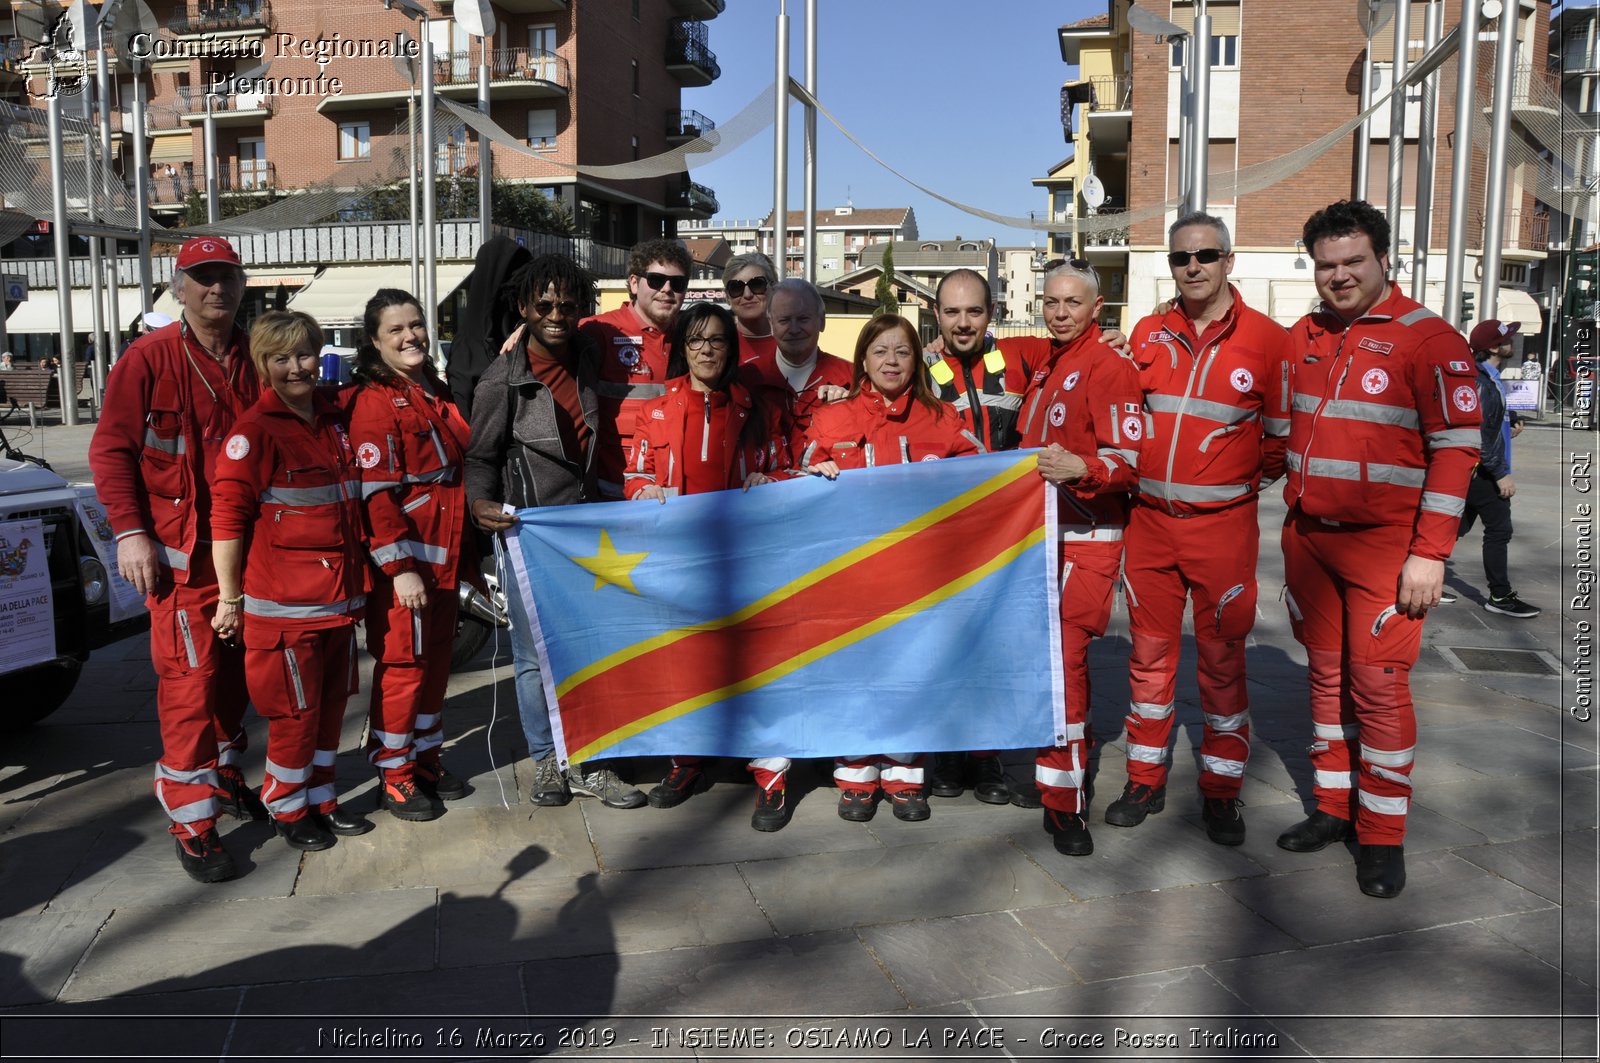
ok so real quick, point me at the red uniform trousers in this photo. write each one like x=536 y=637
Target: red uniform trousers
x=200 y=697
x=411 y=651
x=1210 y=558
x=300 y=681
x=1341 y=585
x=1088 y=583
x=895 y=772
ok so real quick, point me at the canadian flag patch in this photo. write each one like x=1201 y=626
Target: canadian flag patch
x=1369 y=344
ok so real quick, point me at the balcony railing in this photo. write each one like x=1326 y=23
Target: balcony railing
x=1524 y=230
x=1110 y=233
x=1111 y=94
x=1536 y=88
x=220 y=17
x=505 y=64
x=193 y=101
x=688 y=124
x=247 y=175
x=170 y=184
x=696 y=197
x=686 y=46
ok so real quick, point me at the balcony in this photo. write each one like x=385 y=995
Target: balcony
x=238 y=109
x=236 y=18
x=1111 y=234
x=514 y=74
x=1536 y=91
x=1525 y=230
x=688 y=57
x=684 y=126
x=694 y=200
x=247 y=175
x=699 y=9
x=170 y=186
x=524 y=7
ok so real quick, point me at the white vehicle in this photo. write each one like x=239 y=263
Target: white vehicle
x=80 y=587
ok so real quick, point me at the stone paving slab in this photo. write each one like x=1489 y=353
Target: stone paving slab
x=1319 y=906
x=38 y=952
x=466 y=850
x=196 y=946
x=1134 y=1018
x=1453 y=974
x=943 y=960
x=1143 y=933
x=1488 y=749
x=804 y=894
x=624 y=911
x=34 y=866
x=1517 y=806
x=1555 y=866
x=807 y=974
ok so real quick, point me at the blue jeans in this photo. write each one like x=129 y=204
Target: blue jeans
x=531 y=702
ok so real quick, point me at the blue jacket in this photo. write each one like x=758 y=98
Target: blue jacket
x=1494 y=454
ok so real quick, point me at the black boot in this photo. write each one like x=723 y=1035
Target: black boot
x=344 y=822
x=1315 y=832
x=305 y=834
x=946 y=778
x=1381 y=870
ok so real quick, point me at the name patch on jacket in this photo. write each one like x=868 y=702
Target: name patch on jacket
x=1160 y=335
x=1369 y=344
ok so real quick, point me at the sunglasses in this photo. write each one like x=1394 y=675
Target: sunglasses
x=679 y=283
x=735 y=289
x=544 y=306
x=1205 y=256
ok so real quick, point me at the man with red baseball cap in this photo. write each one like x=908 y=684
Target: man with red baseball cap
x=168 y=407
x=1489 y=493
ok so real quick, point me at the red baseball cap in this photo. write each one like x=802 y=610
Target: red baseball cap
x=1487 y=335
x=204 y=249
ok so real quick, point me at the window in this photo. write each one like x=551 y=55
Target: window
x=541 y=41
x=542 y=130
x=1225 y=26
x=1224 y=52
x=355 y=140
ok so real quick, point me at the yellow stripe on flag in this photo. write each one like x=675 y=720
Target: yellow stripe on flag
x=883 y=542
x=816 y=653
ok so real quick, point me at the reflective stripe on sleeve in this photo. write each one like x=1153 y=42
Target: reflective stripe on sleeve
x=433 y=555
x=1450 y=506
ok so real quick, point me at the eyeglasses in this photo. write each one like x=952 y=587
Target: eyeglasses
x=1205 y=256
x=679 y=283
x=700 y=343
x=544 y=306
x=735 y=289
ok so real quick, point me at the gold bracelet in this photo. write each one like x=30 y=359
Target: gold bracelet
x=232 y=601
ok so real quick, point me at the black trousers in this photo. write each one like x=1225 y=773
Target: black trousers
x=1484 y=503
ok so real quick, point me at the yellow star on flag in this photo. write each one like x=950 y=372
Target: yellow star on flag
x=609 y=566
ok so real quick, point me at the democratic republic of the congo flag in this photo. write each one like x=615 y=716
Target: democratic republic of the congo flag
x=902 y=608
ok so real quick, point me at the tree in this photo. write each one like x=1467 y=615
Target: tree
x=884 y=293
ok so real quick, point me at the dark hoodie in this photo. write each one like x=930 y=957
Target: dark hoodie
x=490 y=316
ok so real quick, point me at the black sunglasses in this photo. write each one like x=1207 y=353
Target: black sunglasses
x=735 y=289
x=544 y=306
x=680 y=284
x=1205 y=256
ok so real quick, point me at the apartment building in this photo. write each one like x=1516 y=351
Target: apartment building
x=1281 y=75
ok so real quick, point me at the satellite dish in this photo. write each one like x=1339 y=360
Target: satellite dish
x=1491 y=9
x=402 y=57
x=1374 y=15
x=474 y=16
x=1094 y=193
x=1153 y=24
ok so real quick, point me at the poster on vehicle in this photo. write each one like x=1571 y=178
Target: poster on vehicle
x=125 y=601
x=27 y=624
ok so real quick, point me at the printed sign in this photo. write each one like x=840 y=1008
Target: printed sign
x=27 y=624
x=125 y=600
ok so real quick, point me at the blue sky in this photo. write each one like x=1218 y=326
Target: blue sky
x=963 y=97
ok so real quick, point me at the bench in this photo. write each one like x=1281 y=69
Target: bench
x=34 y=385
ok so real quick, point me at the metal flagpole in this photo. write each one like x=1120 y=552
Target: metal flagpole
x=1397 y=125
x=780 y=159
x=810 y=194
x=102 y=359
x=141 y=193
x=1494 y=206
x=1427 y=150
x=411 y=142
x=212 y=211
x=1185 y=126
x=485 y=157
x=1201 y=158
x=91 y=206
x=58 y=205
x=1364 y=134
x=1461 y=161
x=430 y=231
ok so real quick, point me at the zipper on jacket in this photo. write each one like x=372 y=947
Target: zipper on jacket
x=1316 y=415
x=1177 y=420
x=973 y=405
x=705 y=436
x=905 y=451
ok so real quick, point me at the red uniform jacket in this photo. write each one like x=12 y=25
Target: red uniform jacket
x=1385 y=421
x=753 y=347
x=633 y=370
x=1000 y=378
x=410 y=442
x=168 y=407
x=1217 y=411
x=1089 y=403
x=291 y=488
x=663 y=428
x=764 y=378
x=865 y=430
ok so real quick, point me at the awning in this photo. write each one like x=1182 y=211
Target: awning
x=40 y=313
x=1518 y=305
x=167 y=303
x=340 y=293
